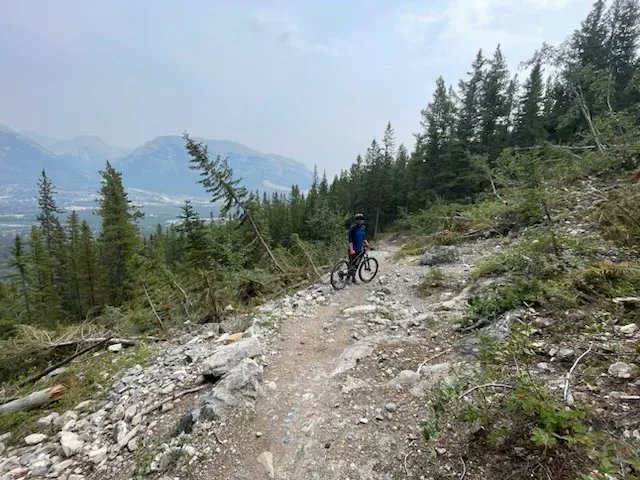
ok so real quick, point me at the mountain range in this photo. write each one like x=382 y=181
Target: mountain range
x=160 y=166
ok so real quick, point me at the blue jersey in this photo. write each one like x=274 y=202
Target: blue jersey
x=356 y=237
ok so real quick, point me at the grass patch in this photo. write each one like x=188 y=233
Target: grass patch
x=86 y=378
x=435 y=279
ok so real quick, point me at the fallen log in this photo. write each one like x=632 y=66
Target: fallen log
x=34 y=400
x=61 y=363
x=126 y=342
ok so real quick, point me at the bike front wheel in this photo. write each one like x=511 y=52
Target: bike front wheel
x=368 y=269
x=340 y=274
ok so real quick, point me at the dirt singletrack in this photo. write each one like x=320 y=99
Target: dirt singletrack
x=345 y=381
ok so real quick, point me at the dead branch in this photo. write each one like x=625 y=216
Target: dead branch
x=464 y=469
x=568 y=379
x=437 y=355
x=406 y=457
x=55 y=366
x=486 y=385
x=215 y=435
x=34 y=400
x=176 y=396
x=633 y=219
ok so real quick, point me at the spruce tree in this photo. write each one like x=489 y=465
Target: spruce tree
x=590 y=41
x=494 y=106
x=74 y=254
x=118 y=238
x=88 y=273
x=622 y=45
x=217 y=178
x=46 y=305
x=470 y=91
x=19 y=263
x=192 y=228
x=529 y=129
x=47 y=208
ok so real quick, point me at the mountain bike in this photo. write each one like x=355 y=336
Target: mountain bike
x=365 y=266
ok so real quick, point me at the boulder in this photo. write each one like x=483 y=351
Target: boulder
x=237 y=389
x=35 y=438
x=48 y=420
x=71 y=443
x=629 y=329
x=120 y=432
x=65 y=418
x=229 y=356
x=116 y=347
x=356 y=352
x=439 y=255
x=98 y=455
x=622 y=370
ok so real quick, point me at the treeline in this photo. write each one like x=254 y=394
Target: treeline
x=65 y=273
x=583 y=95
x=589 y=96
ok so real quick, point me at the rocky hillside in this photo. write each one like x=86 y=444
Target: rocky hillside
x=500 y=357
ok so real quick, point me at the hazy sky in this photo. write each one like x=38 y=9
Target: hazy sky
x=314 y=80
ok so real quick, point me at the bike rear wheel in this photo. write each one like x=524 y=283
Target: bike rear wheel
x=368 y=269
x=340 y=274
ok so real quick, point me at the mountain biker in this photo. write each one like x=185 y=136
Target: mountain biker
x=357 y=244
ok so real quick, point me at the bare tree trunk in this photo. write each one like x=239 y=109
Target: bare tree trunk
x=584 y=108
x=153 y=308
x=186 y=298
x=33 y=400
x=211 y=296
x=254 y=225
x=313 y=265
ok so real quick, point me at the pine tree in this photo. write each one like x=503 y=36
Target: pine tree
x=217 y=179
x=495 y=107
x=470 y=91
x=590 y=41
x=47 y=308
x=19 y=263
x=47 y=208
x=159 y=245
x=72 y=273
x=622 y=45
x=192 y=228
x=529 y=128
x=400 y=183
x=118 y=238
x=88 y=274
x=431 y=162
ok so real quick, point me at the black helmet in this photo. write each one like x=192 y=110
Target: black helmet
x=359 y=216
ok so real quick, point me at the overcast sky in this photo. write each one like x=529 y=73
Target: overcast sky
x=314 y=80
